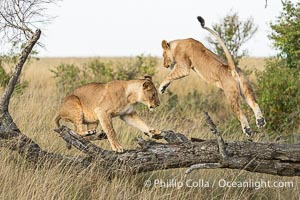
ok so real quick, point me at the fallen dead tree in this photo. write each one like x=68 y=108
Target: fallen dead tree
x=178 y=152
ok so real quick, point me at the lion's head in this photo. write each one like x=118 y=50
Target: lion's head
x=169 y=60
x=149 y=95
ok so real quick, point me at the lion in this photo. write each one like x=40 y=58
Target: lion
x=184 y=55
x=96 y=103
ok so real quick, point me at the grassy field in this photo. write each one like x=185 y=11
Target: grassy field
x=35 y=109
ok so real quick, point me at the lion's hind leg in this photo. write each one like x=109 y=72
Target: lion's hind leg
x=233 y=96
x=249 y=97
x=71 y=110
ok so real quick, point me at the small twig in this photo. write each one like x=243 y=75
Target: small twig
x=202 y=166
x=214 y=130
x=266 y=5
x=172 y=137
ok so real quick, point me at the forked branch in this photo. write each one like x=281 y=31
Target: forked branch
x=222 y=149
x=214 y=130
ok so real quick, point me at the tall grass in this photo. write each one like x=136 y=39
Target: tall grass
x=34 y=111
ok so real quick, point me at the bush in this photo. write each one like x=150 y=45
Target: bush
x=285 y=34
x=279 y=96
x=98 y=71
x=138 y=67
x=279 y=85
x=69 y=76
x=234 y=32
x=4 y=77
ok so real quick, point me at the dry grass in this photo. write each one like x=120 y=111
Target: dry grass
x=34 y=113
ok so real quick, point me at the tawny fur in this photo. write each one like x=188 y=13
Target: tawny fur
x=185 y=55
x=96 y=103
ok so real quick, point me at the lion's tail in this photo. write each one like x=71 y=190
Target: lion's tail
x=227 y=54
x=57 y=119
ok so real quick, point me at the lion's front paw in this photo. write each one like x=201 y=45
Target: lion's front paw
x=155 y=134
x=117 y=147
x=162 y=88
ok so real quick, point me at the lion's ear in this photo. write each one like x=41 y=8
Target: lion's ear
x=147 y=85
x=147 y=77
x=165 y=45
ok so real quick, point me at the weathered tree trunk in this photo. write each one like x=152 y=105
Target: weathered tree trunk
x=10 y=135
x=6 y=121
x=270 y=158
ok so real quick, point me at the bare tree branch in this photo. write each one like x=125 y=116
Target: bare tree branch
x=202 y=166
x=270 y=158
x=4 y=100
x=220 y=140
x=19 y=18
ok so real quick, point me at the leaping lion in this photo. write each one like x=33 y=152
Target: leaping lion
x=184 y=55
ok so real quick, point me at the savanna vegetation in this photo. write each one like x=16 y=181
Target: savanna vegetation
x=46 y=81
x=181 y=109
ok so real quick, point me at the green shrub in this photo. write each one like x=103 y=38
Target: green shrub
x=286 y=35
x=279 y=84
x=234 y=32
x=70 y=76
x=98 y=71
x=279 y=96
x=145 y=65
x=137 y=67
x=4 y=77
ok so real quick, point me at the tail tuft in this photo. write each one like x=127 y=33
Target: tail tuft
x=225 y=49
x=201 y=20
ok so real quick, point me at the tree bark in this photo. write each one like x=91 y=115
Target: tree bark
x=6 y=121
x=269 y=158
